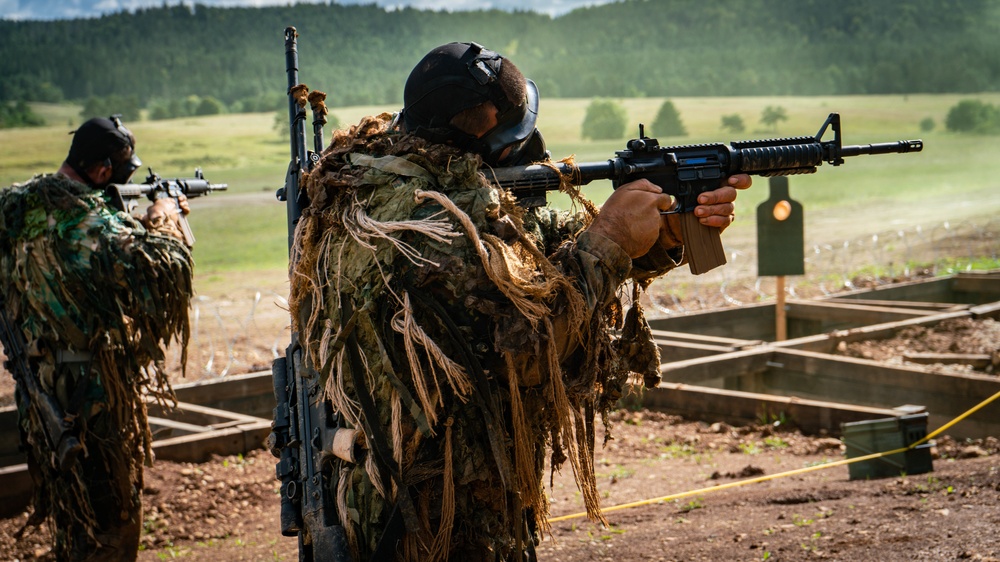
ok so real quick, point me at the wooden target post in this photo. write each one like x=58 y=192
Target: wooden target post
x=780 y=244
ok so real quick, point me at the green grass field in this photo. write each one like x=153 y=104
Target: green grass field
x=244 y=229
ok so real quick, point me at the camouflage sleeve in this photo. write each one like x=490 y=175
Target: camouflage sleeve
x=604 y=266
x=552 y=227
x=657 y=261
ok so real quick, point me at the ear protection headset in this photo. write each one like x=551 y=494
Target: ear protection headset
x=128 y=167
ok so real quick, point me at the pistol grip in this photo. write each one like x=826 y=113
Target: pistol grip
x=702 y=245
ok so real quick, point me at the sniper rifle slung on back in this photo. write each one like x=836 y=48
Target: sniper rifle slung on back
x=305 y=426
x=155 y=188
x=685 y=172
x=59 y=427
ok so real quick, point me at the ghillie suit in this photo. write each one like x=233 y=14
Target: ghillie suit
x=462 y=336
x=98 y=297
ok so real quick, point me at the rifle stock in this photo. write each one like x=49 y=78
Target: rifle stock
x=685 y=172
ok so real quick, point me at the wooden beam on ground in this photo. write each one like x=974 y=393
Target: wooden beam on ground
x=223 y=442
x=751 y=322
x=974 y=360
x=977 y=287
x=682 y=351
x=989 y=310
x=738 y=408
x=199 y=415
x=16 y=486
x=934 y=307
x=828 y=342
x=703 y=369
x=251 y=394
x=858 y=313
x=732 y=343
x=161 y=428
x=811 y=375
x=10 y=438
x=932 y=290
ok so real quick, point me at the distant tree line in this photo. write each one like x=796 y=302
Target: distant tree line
x=180 y=60
x=607 y=120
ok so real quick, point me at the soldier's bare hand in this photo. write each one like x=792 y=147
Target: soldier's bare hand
x=716 y=208
x=631 y=216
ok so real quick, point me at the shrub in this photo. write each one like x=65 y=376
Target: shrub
x=668 y=122
x=772 y=115
x=209 y=106
x=605 y=120
x=973 y=116
x=733 y=123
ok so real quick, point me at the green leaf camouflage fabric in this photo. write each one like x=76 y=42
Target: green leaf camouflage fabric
x=85 y=282
x=483 y=336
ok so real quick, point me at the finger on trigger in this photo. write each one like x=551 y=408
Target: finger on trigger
x=664 y=202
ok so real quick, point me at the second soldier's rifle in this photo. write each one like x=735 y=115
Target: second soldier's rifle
x=155 y=188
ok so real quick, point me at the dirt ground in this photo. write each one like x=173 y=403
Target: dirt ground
x=227 y=509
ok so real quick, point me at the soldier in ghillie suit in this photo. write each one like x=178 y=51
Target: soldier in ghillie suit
x=97 y=296
x=462 y=336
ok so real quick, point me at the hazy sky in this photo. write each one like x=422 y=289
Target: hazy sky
x=67 y=9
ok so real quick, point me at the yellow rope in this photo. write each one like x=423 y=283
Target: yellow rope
x=823 y=466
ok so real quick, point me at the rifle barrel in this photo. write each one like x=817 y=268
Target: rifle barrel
x=190 y=187
x=884 y=148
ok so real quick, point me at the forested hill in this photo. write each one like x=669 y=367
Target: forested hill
x=362 y=54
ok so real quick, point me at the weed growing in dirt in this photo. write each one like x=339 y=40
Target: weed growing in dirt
x=692 y=505
x=800 y=521
x=775 y=442
x=170 y=552
x=617 y=473
x=611 y=532
x=811 y=546
x=676 y=451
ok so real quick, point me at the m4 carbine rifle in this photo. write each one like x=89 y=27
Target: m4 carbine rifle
x=155 y=188
x=685 y=172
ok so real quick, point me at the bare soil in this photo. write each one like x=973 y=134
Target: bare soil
x=227 y=509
